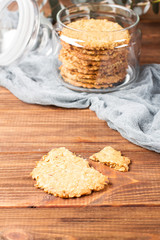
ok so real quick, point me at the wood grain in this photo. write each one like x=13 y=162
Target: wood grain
x=150 y=42
x=128 y=209
x=126 y=189
x=26 y=135
x=83 y=223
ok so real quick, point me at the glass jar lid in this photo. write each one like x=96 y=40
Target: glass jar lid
x=16 y=40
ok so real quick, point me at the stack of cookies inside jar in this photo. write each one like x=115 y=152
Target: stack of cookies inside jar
x=94 y=53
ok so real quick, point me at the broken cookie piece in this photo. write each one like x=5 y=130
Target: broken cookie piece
x=112 y=158
x=65 y=175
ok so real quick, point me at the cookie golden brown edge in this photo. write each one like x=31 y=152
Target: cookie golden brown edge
x=112 y=158
x=66 y=175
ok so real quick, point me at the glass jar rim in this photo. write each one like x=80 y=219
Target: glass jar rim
x=26 y=31
x=106 y=4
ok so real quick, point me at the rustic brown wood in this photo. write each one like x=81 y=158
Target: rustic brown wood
x=150 y=16
x=150 y=42
x=26 y=135
x=90 y=223
x=129 y=208
x=66 y=3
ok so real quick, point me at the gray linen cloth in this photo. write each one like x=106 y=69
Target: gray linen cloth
x=134 y=112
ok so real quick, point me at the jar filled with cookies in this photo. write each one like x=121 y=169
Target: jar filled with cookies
x=99 y=47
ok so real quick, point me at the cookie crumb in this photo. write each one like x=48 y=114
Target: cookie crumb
x=112 y=158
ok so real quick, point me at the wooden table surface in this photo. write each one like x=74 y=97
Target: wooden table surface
x=128 y=209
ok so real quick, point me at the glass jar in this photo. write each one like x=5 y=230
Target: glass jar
x=23 y=29
x=100 y=47
x=96 y=45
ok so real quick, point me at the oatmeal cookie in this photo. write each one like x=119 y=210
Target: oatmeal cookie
x=83 y=50
x=96 y=34
x=94 y=53
x=93 y=74
x=112 y=158
x=116 y=54
x=66 y=175
x=99 y=76
x=91 y=83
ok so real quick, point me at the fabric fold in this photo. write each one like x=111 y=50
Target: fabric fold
x=134 y=111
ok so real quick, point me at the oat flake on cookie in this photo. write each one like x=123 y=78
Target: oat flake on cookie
x=66 y=175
